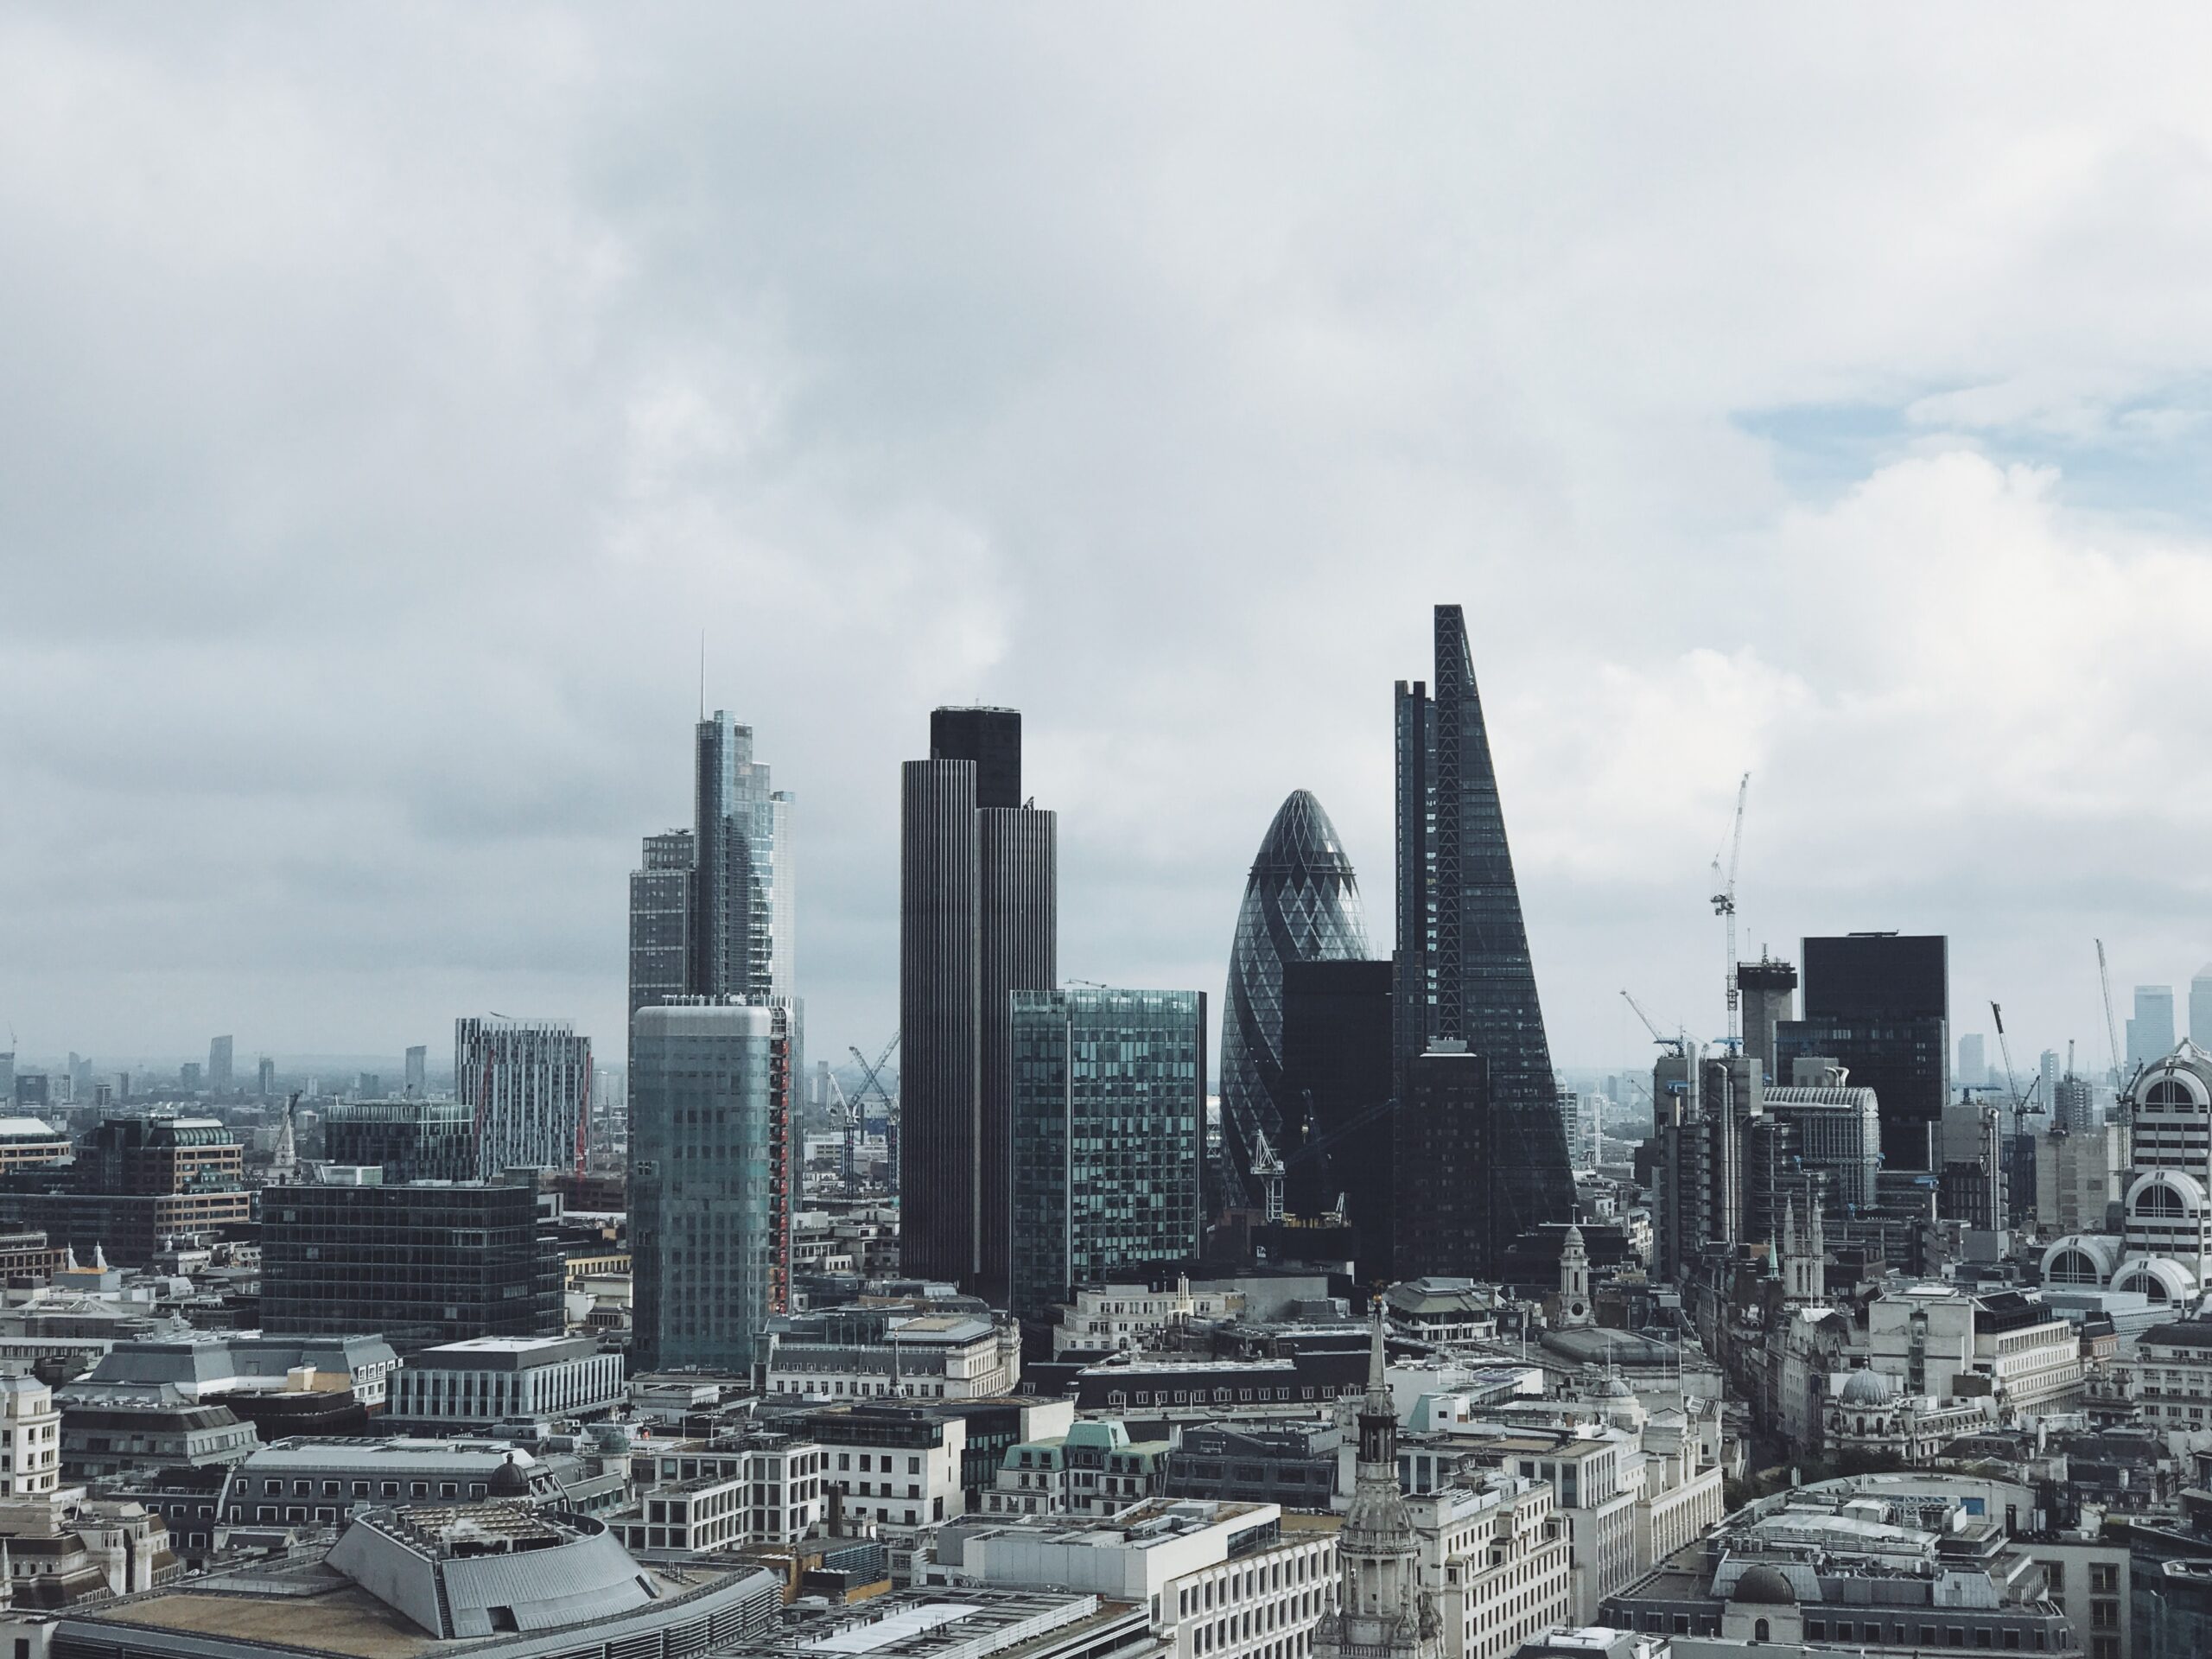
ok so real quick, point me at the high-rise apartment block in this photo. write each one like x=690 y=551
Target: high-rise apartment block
x=978 y=920
x=1880 y=1004
x=1108 y=1122
x=1463 y=971
x=2150 y=1033
x=528 y=1086
x=712 y=1181
x=418 y=1070
x=264 y=1083
x=660 y=919
x=219 y=1064
x=1302 y=904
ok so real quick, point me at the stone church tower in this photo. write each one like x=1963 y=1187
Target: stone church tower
x=1381 y=1611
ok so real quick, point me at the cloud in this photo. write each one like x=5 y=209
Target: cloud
x=396 y=396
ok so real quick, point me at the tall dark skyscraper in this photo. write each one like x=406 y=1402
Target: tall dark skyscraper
x=1464 y=972
x=1302 y=904
x=1336 y=1088
x=978 y=920
x=1879 y=1003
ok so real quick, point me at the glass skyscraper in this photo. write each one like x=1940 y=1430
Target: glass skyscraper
x=711 y=1180
x=1109 y=1091
x=978 y=920
x=741 y=888
x=1302 y=904
x=1464 y=971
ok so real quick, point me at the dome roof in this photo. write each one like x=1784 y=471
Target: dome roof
x=1764 y=1585
x=1865 y=1387
x=508 y=1480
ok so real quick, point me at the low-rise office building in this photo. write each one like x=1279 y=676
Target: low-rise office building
x=862 y=1353
x=320 y=1482
x=466 y=1387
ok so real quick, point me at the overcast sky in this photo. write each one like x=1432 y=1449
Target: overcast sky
x=388 y=397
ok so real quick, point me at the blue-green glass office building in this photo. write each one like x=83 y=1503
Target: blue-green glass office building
x=1109 y=1091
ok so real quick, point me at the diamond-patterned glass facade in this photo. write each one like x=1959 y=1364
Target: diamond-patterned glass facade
x=1302 y=904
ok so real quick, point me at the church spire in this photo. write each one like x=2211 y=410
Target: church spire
x=1382 y=1611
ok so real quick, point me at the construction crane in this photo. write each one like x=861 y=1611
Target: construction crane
x=2023 y=1105
x=2112 y=1026
x=1724 y=905
x=1652 y=1026
x=872 y=1077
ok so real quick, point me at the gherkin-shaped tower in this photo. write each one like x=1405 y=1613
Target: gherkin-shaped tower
x=1302 y=904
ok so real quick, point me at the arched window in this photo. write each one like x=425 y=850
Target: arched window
x=2167 y=1095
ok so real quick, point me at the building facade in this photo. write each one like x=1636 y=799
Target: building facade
x=1302 y=904
x=423 y=1262
x=978 y=919
x=528 y=1086
x=712 y=1178
x=1108 y=1120
x=1463 y=965
x=410 y=1140
x=466 y=1387
x=1880 y=1004
x=660 y=919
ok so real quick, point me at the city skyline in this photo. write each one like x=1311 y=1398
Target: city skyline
x=1764 y=498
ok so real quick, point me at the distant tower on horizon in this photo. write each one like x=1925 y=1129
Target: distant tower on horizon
x=1302 y=904
x=2150 y=1033
x=1973 y=1063
x=2199 y=1007
x=418 y=1070
x=219 y=1065
x=978 y=920
x=1463 y=971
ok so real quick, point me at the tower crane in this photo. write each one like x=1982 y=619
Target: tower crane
x=2024 y=1106
x=1652 y=1026
x=1724 y=905
x=872 y=1077
x=2112 y=1026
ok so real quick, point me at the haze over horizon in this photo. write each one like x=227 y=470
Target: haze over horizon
x=366 y=483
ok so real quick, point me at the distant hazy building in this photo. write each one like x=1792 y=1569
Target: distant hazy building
x=1879 y=1003
x=2047 y=1080
x=8 y=1076
x=2199 y=1007
x=418 y=1070
x=188 y=1076
x=1110 y=1094
x=1973 y=1063
x=367 y=1086
x=528 y=1083
x=1302 y=904
x=2073 y=1105
x=2150 y=1033
x=219 y=1064
x=978 y=920
x=1463 y=971
x=31 y=1092
x=712 y=1179
x=264 y=1079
